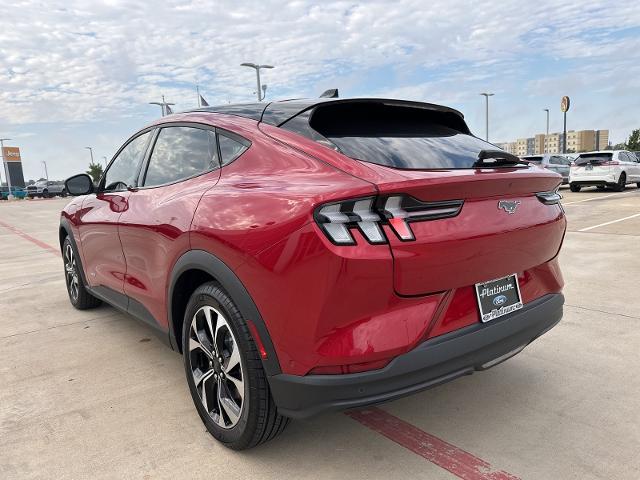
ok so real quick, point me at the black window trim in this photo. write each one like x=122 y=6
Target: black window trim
x=142 y=174
x=124 y=145
x=235 y=137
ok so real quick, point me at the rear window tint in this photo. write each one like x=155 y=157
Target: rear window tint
x=398 y=136
x=593 y=158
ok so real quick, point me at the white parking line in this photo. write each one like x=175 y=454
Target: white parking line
x=609 y=223
x=595 y=198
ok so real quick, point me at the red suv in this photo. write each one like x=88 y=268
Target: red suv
x=314 y=255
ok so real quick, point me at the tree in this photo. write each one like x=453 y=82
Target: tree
x=95 y=171
x=620 y=146
x=633 y=143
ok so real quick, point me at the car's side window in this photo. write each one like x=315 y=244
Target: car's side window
x=123 y=171
x=555 y=160
x=231 y=147
x=180 y=153
x=622 y=156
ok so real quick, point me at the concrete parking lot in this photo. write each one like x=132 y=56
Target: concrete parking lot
x=94 y=394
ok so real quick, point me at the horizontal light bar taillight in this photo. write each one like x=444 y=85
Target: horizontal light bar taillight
x=369 y=214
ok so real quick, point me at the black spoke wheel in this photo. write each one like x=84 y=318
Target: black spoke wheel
x=78 y=294
x=224 y=372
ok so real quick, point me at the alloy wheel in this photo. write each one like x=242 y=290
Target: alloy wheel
x=216 y=367
x=71 y=272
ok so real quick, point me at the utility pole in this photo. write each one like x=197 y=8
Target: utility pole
x=6 y=169
x=547 y=110
x=261 y=88
x=486 y=96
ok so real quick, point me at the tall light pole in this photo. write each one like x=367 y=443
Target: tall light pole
x=165 y=106
x=6 y=170
x=91 y=152
x=486 y=96
x=261 y=88
x=46 y=173
x=106 y=162
x=547 y=110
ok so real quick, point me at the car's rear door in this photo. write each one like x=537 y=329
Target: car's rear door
x=102 y=256
x=630 y=166
x=154 y=230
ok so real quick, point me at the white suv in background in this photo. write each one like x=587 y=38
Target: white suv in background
x=606 y=168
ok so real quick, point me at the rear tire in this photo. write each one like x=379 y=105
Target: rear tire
x=574 y=187
x=224 y=372
x=622 y=182
x=600 y=187
x=79 y=297
x=45 y=194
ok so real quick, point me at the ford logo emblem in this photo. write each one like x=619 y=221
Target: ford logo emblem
x=499 y=300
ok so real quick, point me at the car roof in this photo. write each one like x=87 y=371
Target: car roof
x=278 y=112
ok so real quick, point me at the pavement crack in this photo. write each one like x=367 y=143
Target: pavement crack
x=603 y=311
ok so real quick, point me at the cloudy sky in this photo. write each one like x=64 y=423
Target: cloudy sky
x=75 y=73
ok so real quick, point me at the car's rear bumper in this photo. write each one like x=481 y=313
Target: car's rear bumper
x=433 y=362
x=593 y=180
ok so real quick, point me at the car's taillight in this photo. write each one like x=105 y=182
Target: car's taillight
x=369 y=214
x=608 y=164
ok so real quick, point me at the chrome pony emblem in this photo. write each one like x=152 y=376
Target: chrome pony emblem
x=508 y=206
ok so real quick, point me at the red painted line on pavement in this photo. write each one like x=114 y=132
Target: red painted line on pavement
x=31 y=239
x=453 y=459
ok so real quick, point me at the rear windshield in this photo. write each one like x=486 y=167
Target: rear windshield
x=398 y=136
x=533 y=159
x=593 y=158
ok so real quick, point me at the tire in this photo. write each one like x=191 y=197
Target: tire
x=600 y=187
x=622 y=183
x=63 y=193
x=244 y=414
x=79 y=297
x=638 y=184
x=45 y=194
x=574 y=187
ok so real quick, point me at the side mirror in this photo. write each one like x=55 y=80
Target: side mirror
x=81 y=184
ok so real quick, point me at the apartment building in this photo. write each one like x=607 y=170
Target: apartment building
x=577 y=141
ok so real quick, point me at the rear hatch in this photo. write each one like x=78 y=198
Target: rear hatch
x=471 y=220
x=592 y=164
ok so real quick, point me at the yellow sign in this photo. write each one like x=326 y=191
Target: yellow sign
x=11 y=154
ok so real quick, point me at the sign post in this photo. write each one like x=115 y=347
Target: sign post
x=564 y=106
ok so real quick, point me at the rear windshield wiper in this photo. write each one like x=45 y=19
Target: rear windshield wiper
x=497 y=158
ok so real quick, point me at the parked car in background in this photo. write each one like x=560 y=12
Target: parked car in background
x=605 y=168
x=16 y=191
x=553 y=161
x=45 y=189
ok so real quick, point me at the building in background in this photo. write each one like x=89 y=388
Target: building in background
x=577 y=141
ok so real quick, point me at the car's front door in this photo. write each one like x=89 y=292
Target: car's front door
x=103 y=259
x=154 y=230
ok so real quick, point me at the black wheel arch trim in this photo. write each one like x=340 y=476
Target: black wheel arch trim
x=209 y=263
x=66 y=226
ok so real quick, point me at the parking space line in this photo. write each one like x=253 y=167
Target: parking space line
x=31 y=239
x=596 y=198
x=453 y=459
x=609 y=223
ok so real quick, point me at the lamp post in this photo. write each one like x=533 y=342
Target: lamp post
x=91 y=152
x=261 y=88
x=6 y=170
x=164 y=106
x=547 y=110
x=106 y=162
x=46 y=173
x=486 y=96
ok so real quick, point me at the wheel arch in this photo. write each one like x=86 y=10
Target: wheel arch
x=196 y=267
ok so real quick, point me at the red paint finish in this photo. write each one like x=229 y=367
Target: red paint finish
x=326 y=307
x=443 y=454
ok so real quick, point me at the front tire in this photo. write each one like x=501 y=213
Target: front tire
x=224 y=372
x=575 y=187
x=79 y=297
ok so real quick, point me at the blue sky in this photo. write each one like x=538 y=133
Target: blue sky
x=74 y=74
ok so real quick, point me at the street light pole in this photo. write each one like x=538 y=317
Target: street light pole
x=547 y=110
x=46 y=173
x=164 y=106
x=104 y=157
x=486 y=96
x=91 y=152
x=261 y=88
x=6 y=169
